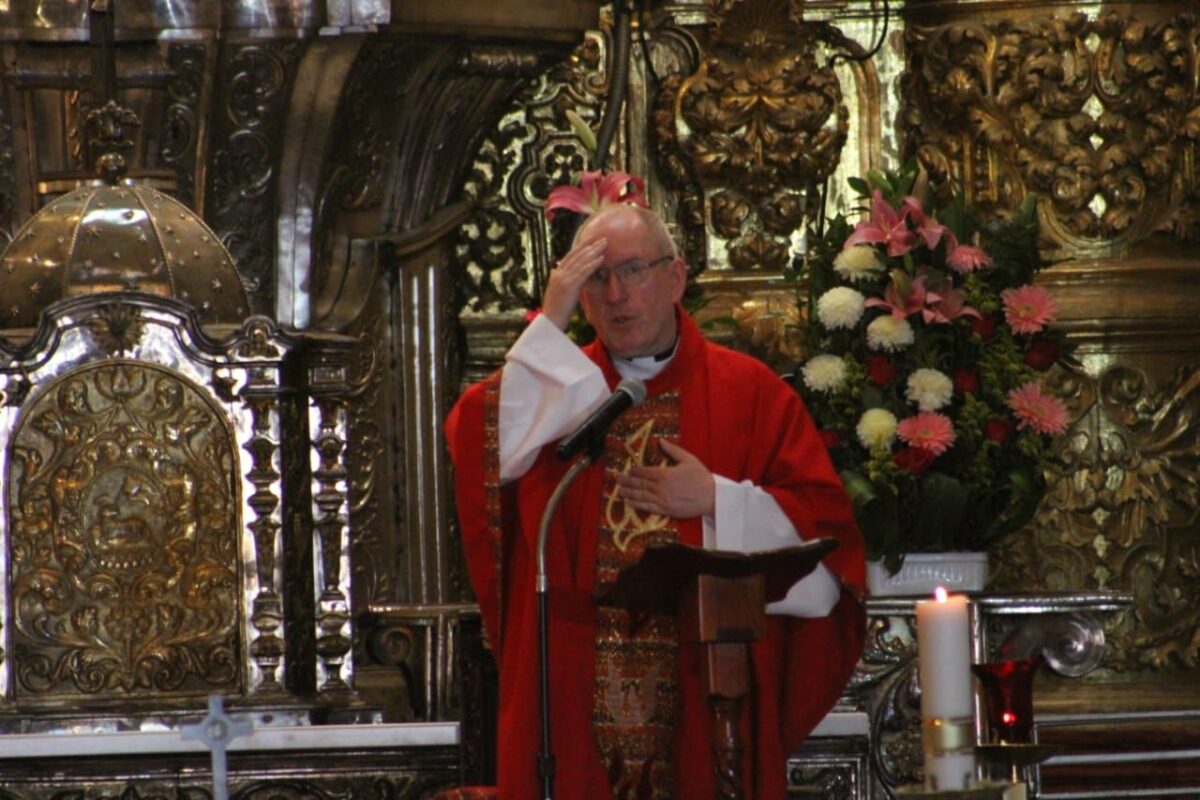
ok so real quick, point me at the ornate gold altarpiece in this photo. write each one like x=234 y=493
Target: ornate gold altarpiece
x=375 y=171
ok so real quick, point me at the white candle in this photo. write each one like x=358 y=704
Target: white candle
x=944 y=656
x=944 y=667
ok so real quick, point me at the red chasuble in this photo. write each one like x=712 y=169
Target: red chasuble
x=744 y=423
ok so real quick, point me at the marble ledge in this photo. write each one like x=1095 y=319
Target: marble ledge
x=842 y=723
x=298 y=738
x=1019 y=603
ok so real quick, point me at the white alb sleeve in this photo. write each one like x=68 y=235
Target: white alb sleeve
x=547 y=389
x=747 y=519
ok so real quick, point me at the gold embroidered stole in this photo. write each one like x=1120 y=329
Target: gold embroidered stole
x=492 y=491
x=636 y=692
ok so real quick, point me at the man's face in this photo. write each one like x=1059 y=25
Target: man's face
x=632 y=320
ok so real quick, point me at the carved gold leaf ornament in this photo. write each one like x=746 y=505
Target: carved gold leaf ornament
x=758 y=125
x=1123 y=513
x=124 y=519
x=1098 y=116
x=775 y=332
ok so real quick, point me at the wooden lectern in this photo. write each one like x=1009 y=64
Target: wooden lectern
x=719 y=598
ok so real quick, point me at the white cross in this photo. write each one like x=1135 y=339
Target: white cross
x=217 y=730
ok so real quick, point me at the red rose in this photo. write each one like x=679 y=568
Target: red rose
x=532 y=314
x=966 y=381
x=1042 y=354
x=998 y=429
x=830 y=438
x=914 y=459
x=881 y=369
x=984 y=326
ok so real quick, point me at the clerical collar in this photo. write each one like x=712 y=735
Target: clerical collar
x=645 y=367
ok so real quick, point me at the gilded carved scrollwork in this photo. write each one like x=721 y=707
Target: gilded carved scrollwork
x=1122 y=512
x=123 y=523
x=373 y=578
x=411 y=783
x=244 y=163
x=504 y=248
x=1099 y=116
x=357 y=169
x=757 y=127
x=182 y=124
x=887 y=676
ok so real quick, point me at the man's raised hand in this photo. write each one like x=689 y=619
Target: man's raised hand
x=567 y=279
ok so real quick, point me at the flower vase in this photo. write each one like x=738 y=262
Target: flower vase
x=921 y=573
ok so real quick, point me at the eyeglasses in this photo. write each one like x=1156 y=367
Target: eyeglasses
x=630 y=274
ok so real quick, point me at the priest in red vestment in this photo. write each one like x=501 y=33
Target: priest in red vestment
x=721 y=454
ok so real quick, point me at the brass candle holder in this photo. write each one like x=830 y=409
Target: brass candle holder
x=948 y=746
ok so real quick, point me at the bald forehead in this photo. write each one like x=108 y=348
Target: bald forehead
x=623 y=218
x=627 y=220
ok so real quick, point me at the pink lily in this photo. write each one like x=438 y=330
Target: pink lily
x=904 y=296
x=885 y=226
x=951 y=305
x=928 y=228
x=597 y=189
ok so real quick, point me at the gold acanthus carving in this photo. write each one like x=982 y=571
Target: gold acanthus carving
x=123 y=520
x=1099 y=116
x=772 y=329
x=758 y=125
x=1123 y=511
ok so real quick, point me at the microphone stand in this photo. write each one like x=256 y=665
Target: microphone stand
x=545 y=764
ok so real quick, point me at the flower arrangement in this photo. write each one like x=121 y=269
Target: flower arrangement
x=927 y=347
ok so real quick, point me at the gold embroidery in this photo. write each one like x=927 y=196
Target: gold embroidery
x=632 y=524
x=636 y=696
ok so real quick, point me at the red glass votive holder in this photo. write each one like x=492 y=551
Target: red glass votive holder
x=1008 y=697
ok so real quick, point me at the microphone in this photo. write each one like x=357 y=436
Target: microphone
x=629 y=392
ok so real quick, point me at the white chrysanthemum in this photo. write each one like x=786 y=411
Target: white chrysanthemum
x=858 y=263
x=929 y=389
x=824 y=373
x=840 y=307
x=890 y=334
x=876 y=428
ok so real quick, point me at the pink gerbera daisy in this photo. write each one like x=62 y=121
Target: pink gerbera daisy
x=1028 y=309
x=964 y=258
x=929 y=430
x=968 y=258
x=1045 y=413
